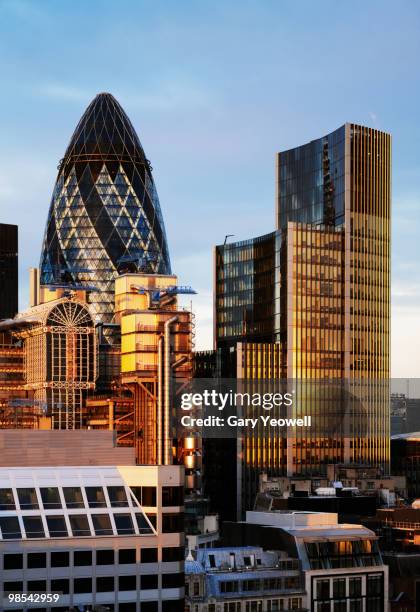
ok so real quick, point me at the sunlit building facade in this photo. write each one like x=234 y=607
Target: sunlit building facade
x=319 y=287
x=105 y=216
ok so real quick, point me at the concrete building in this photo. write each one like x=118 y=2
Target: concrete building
x=93 y=526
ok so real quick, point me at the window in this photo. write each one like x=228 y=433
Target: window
x=173 y=581
x=148 y=496
x=173 y=523
x=117 y=496
x=341 y=606
x=33 y=527
x=173 y=605
x=172 y=496
x=37 y=560
x=152 y=518
x=105 y=557
x=124 y=524
x=173 y=553
x=50 y=498
x=82 y=585
x=102 y=524
x=142 y=523
x=149 y=606
x=13 y=587
x=28 y=499
x=374 y=585
x=148 y=582
x=61 y=585
x=105 y=584
x=7 y=501
x=95 y=497
x=127 y=583
x=60 y=559
x=57 y=526
x=37 y=585
x=126 y=555
x=212 y=561
x=339 y=588
x=356 y=605
x=73 y=497
x=355 y=587
x=82 y=557
x=322 y=589
x=12 y=561
x=149 y=555
x=127 y=607
x=79 y=525
x=196 y=587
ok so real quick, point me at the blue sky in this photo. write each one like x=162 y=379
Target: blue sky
x=214 y=89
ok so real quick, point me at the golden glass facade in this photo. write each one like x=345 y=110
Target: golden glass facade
x=326 y=299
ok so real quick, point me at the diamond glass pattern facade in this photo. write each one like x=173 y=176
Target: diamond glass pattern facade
x=105 y=215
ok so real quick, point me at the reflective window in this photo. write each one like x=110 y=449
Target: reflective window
x=117 y=496
x=143 y=525
x=102 y=524
x=79 y=525
x=9 y=526
x=124 y=524
x=73 y=497
x=33 y=527
x=7 y=501
x=50 y=498
x=95 y=497
x=57 y=526
x=28 y=499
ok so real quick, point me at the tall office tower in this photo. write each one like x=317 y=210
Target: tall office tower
x=319 y=287
x=105 y=215
x=8 y=270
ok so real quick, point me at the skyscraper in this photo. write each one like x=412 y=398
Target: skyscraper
x=8 y=270
x=318 y=287
x=105 y=215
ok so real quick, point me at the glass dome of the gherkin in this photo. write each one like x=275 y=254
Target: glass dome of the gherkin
x=104 y=216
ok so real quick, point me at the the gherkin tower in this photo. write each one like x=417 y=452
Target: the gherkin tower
x=105 y=215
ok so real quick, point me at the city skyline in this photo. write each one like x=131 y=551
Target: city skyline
x=248 y=119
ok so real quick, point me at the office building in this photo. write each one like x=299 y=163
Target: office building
x=341 y=563
x=8 y=270
x=59 y=349
x=243 y=579
x=105 y=215
x=91 y=525
x=318 y=288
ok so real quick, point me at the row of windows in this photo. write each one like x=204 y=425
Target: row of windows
x=102 y=584
x=267 y=584
x=57 y=526
x=94 y=497
x=78 y=558
x=168 y=605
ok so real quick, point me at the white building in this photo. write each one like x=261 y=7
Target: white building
x=104 y=537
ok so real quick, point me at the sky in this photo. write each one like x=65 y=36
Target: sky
x=214 y=90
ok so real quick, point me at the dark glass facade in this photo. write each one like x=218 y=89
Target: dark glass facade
x=246 y=275
x=105 y=216
x=8 y=270
x=323 y=280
